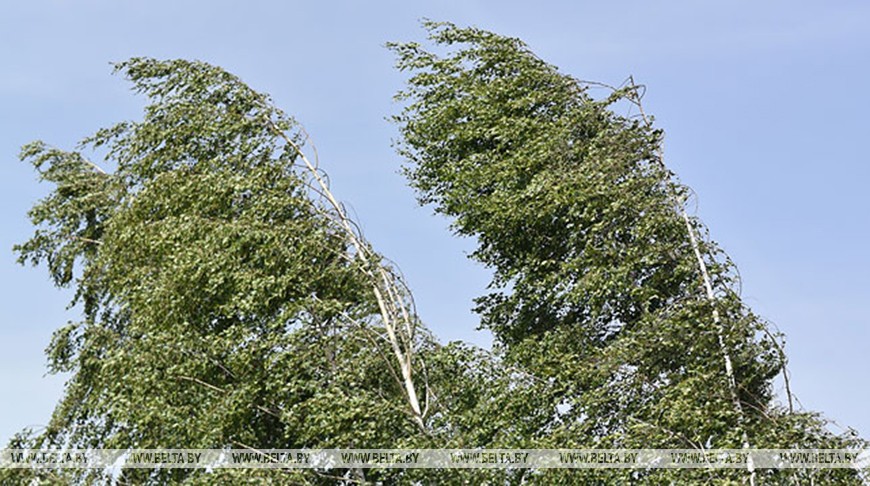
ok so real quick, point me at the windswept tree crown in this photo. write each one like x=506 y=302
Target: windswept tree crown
x=603 y=283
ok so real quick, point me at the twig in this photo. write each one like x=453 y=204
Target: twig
x=784 y=367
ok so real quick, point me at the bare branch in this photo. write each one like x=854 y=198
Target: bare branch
x=87 y=240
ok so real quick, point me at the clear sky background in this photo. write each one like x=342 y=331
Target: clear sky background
x=765 y=106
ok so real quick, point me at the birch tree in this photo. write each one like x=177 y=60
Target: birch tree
x=603 y=281
x=227 y=300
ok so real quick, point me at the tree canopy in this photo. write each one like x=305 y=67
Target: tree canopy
x=228 y=301
x=224 y=303
x=602 y=281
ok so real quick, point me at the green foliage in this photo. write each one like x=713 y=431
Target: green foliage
x=217 y=297
x=596 y=284
x=227 y=303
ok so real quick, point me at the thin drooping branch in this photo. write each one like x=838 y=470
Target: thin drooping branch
x=224 y=392
x=394 y=299
x=785 y=377
x=95 y=167
x=87 y=240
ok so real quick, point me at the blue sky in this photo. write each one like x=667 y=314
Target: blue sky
x=764 y=105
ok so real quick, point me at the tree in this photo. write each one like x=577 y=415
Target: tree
x=602 y=281
x=227 y=299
